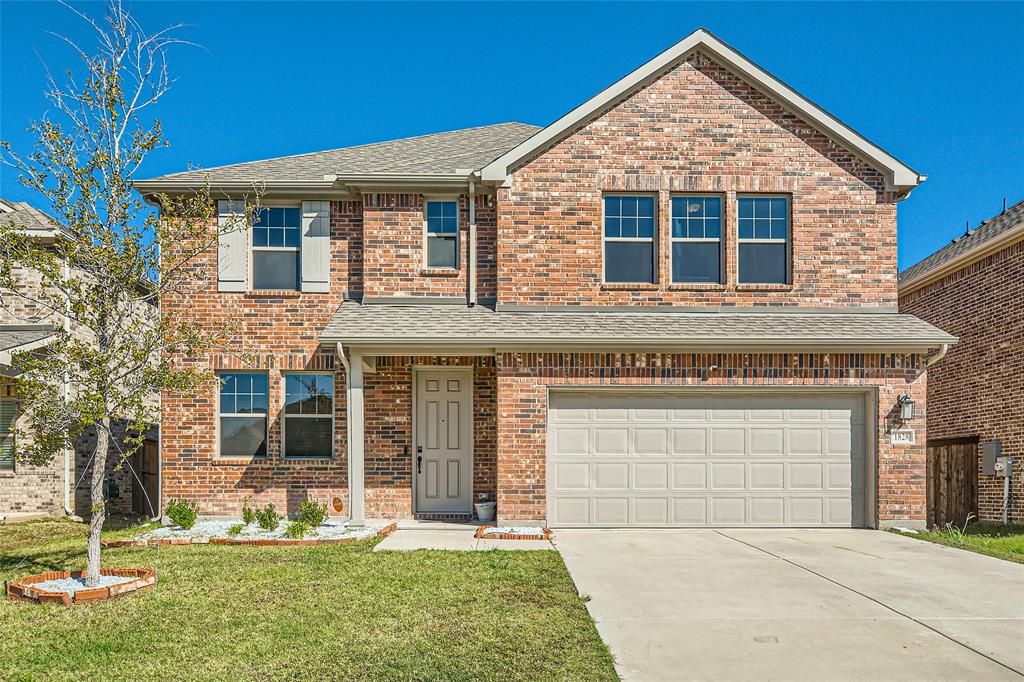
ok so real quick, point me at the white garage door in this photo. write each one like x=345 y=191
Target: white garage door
x=689 y=459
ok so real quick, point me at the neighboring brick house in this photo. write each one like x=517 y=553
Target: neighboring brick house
x=50 y=489
x=974 y=287
x=674 y=306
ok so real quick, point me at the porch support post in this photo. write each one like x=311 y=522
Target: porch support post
x=356 y=441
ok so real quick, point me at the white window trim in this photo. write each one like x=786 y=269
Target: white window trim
x=294 y=249
x=458 y=232
x=653 y=240
x=285 y=416
x=720 y=240
x=788 y=240
x=266 y=419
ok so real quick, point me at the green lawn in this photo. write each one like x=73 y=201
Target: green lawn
x=327 y=612
x=1002 y=542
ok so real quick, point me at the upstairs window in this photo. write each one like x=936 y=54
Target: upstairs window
x=697 y=239
x=243 y=415
x=763 y=224
x=275 y=248
x=308 y=415
x=629 y=239
x=442 y=234
x=6 y=435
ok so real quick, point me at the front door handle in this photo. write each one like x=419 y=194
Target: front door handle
x=419 y=461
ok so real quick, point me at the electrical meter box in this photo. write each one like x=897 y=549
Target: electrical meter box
x=991 y=453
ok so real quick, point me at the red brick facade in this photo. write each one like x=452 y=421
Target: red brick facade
x=524 y=380
x=977 y=390
x=539 y=242
x=697 y=129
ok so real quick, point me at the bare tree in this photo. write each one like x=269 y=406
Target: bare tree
x=113 y=260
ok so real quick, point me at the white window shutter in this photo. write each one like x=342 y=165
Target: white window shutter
x=232 y=246
x=316 y=246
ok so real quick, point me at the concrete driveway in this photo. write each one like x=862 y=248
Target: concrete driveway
x=798 y=604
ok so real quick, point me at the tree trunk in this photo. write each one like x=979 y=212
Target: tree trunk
x=97 y=501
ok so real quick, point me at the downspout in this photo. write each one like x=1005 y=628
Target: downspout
x=938 y=356
x=69 y=453
x=471 y=266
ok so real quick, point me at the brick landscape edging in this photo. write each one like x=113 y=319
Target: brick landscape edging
x=22 y=589
x=265 y=542
x=482 y=534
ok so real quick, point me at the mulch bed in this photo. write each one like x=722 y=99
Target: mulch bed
x=23 y=589
x=266 y=542
x=482 y=534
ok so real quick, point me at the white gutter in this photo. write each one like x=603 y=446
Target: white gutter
x=938 y=356
x=471 y=266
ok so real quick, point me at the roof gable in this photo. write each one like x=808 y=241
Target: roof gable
x=900 y=178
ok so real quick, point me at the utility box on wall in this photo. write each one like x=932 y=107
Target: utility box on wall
x=991 y=453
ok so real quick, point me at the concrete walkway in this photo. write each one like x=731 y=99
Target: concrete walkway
x=414 y=535
x=798 y=605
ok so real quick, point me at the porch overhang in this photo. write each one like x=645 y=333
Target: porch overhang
x=18 y=339
x=424 y=329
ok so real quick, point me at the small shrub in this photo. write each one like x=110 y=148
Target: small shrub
x=248 y=514
x=235 y=529
x=312 y=514
x=952 y=533
x=268 y=518
x=182 y=513
x=296 y=530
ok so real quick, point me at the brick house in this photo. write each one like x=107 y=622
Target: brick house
x=52 y=488
x=674 y=306
x=974 y=287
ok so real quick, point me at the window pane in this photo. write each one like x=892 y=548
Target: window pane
x=778 y=208
x=292 y=218
x=307 y=437
x=442 y=217
x=260 y=236
x=645 y=227
x=276 y=236
x=611 y=227
x=275 y=270
x=262 y=218
x=762 y=263
x=696 y=262
x=227 y=404
x=441 y=252
x=645 y=206
x=629 y=262
x=629 y=206
x=762 y=229
x=309 y=394
x=291 y=237
x=746 y=207
x=713 y=227
x=779 y=229
x=243 y=436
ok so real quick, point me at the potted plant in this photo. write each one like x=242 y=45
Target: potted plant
x=485 y=508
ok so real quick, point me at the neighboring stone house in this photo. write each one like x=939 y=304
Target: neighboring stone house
x=27 y=489
x=974 y=288
x=674 y=306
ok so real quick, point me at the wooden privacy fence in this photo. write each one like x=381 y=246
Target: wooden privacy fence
x=952 y=481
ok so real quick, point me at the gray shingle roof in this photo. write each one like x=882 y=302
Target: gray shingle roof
x=12 y=336
x=439 y=153
x=452 y=324
x=987 y=231
x=26 y=217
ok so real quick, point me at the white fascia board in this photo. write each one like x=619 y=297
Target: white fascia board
x=899 y=176
x=7 y=356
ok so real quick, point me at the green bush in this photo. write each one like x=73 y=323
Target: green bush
x=182 y=513
x=296 y=530
x=312 y=514
x=268 y=518
x=248 y=515
x=235 y=529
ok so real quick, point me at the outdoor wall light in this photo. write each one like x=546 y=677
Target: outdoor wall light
x=906 y=404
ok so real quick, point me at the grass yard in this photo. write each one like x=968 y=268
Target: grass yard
x=323 y=612
x=1002 y=542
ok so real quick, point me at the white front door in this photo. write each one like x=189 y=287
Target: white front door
x=442 y=462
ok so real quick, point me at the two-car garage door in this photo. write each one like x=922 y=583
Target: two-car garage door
x=651 y=459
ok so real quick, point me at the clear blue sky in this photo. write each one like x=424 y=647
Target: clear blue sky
x=939 y=85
